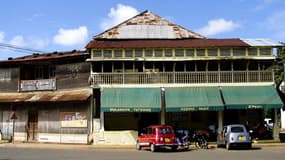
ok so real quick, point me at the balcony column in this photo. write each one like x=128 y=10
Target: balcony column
x=163 y=107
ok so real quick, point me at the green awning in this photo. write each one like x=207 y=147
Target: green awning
x=193 y=99
x=130 y=100
x=251 y=97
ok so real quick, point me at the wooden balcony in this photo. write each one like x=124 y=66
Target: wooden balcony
x=182 y=77
x=37 y=85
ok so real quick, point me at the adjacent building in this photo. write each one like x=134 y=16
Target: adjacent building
x=46 y=98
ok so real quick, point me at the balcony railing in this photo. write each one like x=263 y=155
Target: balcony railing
x=37 y=85
x=182 y=77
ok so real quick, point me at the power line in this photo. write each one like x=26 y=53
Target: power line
x=19 y=49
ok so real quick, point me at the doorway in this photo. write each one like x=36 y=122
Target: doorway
x=32 y=127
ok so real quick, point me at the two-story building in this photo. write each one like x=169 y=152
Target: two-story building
x=148 y=70
x=46 y=98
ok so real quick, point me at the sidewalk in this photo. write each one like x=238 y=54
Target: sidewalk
x=212 y=145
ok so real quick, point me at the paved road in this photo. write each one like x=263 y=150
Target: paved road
x=14 y=153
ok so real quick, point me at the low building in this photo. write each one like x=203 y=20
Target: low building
x=48 y=98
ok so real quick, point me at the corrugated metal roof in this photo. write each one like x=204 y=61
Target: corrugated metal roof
x=147 y=25
x=261 y=42
x=47 y=56
x=182 y=43
x=50 y=96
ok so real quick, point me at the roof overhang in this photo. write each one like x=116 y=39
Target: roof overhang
x=49 y=96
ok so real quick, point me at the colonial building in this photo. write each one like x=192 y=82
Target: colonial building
x=47 y=96
x=148 y=70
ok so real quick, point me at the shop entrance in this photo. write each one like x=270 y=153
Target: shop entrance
x=32 y=126
x=147 y=119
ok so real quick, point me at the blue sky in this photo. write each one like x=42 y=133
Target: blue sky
x=54 y=25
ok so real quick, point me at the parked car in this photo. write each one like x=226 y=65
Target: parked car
x=157 y=136
x=235 y=135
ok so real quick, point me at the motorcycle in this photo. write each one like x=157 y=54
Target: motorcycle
x=199 y=141
x=260 y=132
x=182 y=139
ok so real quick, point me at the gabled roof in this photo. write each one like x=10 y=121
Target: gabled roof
x=147 y=25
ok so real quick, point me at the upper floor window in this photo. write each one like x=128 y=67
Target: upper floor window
x=252 y=51
x=213 y=52
x=128 y=53
x=168 y=53
x=158 y=53
x=5 y=74
x=97 y=53
x=138 y=52
x=238 y=51
x=44 y=72
x=225 y=52
x=148 y=53
x=118 y=53
x=108 y=53
x=265 y=51
x=190 y=52
x=179 y=52
x=201 y=52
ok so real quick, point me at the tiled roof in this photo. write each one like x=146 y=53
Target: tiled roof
x=176 y=43
x=147 y=25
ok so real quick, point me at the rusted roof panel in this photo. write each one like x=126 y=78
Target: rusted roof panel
x=51 y=96
x=147 y=25
x=47 y=56
x=183 y=43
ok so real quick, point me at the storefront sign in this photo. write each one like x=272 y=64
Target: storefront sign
x=185 y=109
x=73 y=119
x=133 y=109
x=254 y=107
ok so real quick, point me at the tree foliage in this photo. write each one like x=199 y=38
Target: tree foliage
x=279 y=67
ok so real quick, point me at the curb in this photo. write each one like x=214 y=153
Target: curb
x=106 y=146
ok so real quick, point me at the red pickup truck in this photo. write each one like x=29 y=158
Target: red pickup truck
x=157 y=136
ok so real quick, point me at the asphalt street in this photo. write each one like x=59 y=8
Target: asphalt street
x=16 y=152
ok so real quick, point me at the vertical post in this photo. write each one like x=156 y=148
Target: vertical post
x=13 y=138
x=220 y=121
x=163 y=108
x=276 y=128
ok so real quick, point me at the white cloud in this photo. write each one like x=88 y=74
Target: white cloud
x=17 y=41
x=118 y=15
x=217 y=26
x=2 y=35
x=69 y=37
x=263 y=4
x=30 y=42
x=276 y=23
